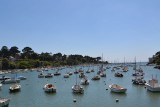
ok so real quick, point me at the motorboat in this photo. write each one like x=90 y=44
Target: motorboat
x=70 y=73
x=125 y=69
x=15 y=88
x=92 y=70
x=97 y=77
x=153 y=85
x=49 y=88
x=49 y=75
x=66 y=75
x=118 y=74
x=88 y=71
x=117 y=88
x=11 y=80
x=57 y=73
x=4 y=102
x=4 y=77
x=21 y=77
x=102 y=74
x=41 y=75
x=76 y=72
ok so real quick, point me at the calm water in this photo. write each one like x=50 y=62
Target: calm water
x=95 y=94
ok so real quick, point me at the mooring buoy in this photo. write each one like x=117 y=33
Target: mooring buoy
x=74 y=100
x=117 y=100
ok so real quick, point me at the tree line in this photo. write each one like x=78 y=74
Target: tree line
x=13 y=58
x=156 y=58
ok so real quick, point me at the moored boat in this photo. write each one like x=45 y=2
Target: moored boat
x=138 y=81
x=21 y=77
x=57 y=73
x=49 y=75
x=41 y=75
x=153 y=85
x=117 y=88
x=49 y=88
x=84 y=81
x=15 y=88
x=97 y=77
x=9 y=81
x=77 y=89
x=4 y=102
x=66 y=75
x=118 y=74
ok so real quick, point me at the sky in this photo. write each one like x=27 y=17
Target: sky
x=114 y=28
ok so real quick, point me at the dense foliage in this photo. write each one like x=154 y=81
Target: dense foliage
x=156 y=58
x=13 y=58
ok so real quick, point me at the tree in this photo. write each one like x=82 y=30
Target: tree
x=34 y=55
x=57 y=57
x=5 y=64
x=13 y=51
x=98 y=59
x=45 y=56
x=4 y=52
x=27 y=51
x=64 y=57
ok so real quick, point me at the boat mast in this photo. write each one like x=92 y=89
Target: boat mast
x=135 y=65
x=102 y=64
x=76 y=78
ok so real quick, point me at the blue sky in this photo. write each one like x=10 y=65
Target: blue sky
x=116 y=28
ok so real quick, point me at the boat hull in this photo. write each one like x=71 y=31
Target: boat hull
x=152 y=89
x=117 y=90
x=49 y=89
x=10 y=81
x=77 y=89
x=4 y=102
x=15 y=88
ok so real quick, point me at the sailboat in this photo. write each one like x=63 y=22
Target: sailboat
x=66 y=75
x=153 y=85
x=101 y=71
x=4 y=102
x=77 y=89
x=15 y=87
x=96 y=77
x=84 y=81
x=138 y=78
x=125 y=68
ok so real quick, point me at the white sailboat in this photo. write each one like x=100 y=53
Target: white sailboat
x=84 y=81
x=96 y=77
x=138 y=78
x=4 y=102
x=77 y=89
x=153 y=85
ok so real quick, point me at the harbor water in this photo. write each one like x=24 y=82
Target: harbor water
x=96 y=94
